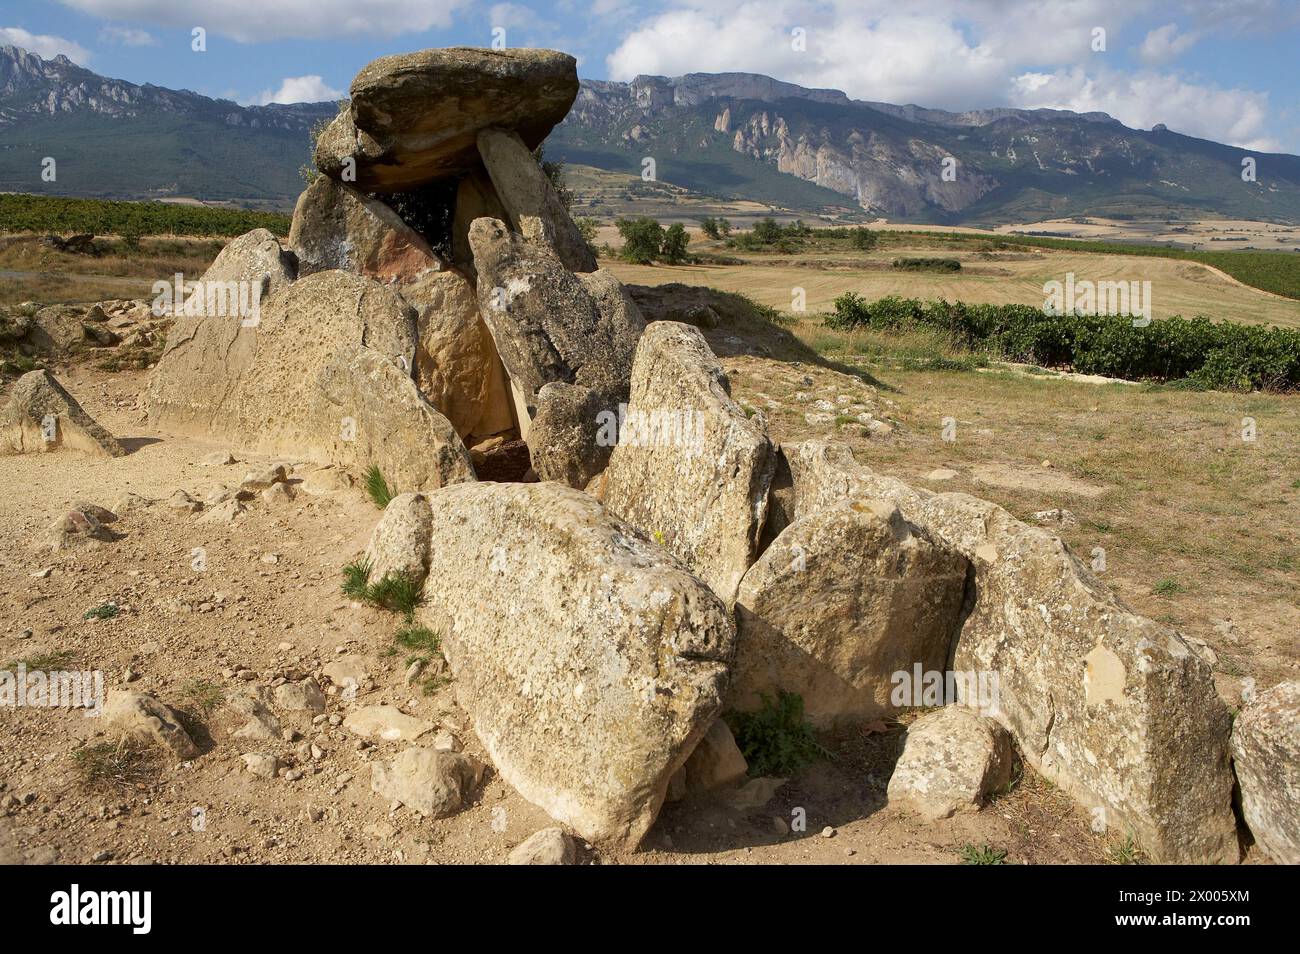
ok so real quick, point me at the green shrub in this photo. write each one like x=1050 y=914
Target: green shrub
x=377 y=488
x=927 y=264
x=777 y=739
x=1202 y=353
x=643 y=238
x=673 y=248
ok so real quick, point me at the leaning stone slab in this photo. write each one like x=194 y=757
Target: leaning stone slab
x=952 y=761
x=337 y=226
x=690 y=469
x=1266 y=756
x=414 y=117
x=842 y=600
x=530 y=200
x=41 y=416
x=400 y=541
x=1114 y=708
x=592 y=689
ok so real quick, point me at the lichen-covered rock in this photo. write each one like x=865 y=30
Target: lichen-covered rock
x=325 y=375
x=1115 y=709
x=842 y=600
x=456 y=363
x=593 y=689
x=530 y=200
x=952 y=761
x=550 y=846
x=690 y=468
x=1266 y=756
x=400 y=541
x=564 y=441
x=255 y=257
x=716 y=763
x=41 y=416
x=414 y=118
x=337 y=226
x=476 y=198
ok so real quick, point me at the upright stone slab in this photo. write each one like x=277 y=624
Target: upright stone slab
x=532 y=203
x=590 y=661
x=1266 y=756
x=690 y=468
x=414 y=118
x=1117 y=710
x=842 y=600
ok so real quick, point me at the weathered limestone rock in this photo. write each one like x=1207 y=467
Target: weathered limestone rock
x=144 y=717
x=432 y=782
x=255 y=257
x=550 y=846
x=323 y=376
x=621 y=327
x=456 y=363
x=565 y=442
x=1266 y=756
x=57 y=329
x=546 y=325
x=593 y=691
x=337 y=226
x=690 y=468
x=1115 y=709
x=952 y=761
x=301 y=696
x=414 y=117
x=386 y=723
x=400 y=541
x=74 y=529
x=843 y=599
x=715 y=763
x=530 y=200
x=41 y=416
x=476 y=198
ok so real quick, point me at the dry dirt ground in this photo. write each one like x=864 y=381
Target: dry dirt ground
x=1200 y=529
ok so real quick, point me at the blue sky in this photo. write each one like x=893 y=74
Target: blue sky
x=1221 y=69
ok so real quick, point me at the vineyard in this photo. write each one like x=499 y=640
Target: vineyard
x=54 y=214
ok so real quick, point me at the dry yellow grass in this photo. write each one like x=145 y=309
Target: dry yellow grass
x=1177 y=287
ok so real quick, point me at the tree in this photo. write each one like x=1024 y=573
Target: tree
x=863 y=238
x=715 y=228
x=643 y=238
x=673 y=249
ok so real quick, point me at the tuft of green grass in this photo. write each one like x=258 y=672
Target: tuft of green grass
x=377 y=488
x=982 y=855
x=201 y=695
x=1126 y=853
x=102 y=611
x=1168 y=587
x=125 y=764
x=422 y=642
x=55 y=660
x=777 y=739
x=396 y=592
x=356 y=578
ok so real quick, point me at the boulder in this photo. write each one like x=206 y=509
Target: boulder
x=550 y=846
x=400 y=541
x=1115 y=709
x=546 y=325
x=531 y=202
x=621 y=327
x=953 y=760
x=590 y=720
x=255 y=257
x=1266 y=756
x=324 y=376
x=144 y=717
x=385 y=723
x=690 y=468
x=337 y=226
x=434 y=783
x=414 y=118
x=716 y=763
x=456 y=363
x=842 y=600
x=73 y=529
x=41 y=416
x=57 y=329
x=564 y=440
x=251 y=706
x=301 y=696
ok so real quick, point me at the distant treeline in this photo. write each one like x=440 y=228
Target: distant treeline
x=55 y=214
x=1218 y=355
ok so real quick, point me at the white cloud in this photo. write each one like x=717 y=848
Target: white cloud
x=299 y=89
x=1166 y=43
x=44 y=45
x=1238 y=117
x=250 y=21
x=127 y=36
